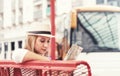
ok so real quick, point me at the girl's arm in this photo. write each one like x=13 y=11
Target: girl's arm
x=33 y=56
x=22 y=55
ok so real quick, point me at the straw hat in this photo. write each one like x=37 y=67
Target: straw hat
x=40 y=29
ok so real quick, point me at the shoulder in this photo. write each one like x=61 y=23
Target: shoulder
x=20 y=50
x=19 y=54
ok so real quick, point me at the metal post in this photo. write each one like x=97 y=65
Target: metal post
x=52 y=16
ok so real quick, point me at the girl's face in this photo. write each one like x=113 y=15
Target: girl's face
x=42 y=45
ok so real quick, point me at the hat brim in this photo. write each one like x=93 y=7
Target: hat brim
x=46 y=35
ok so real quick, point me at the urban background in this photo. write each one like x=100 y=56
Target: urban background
x=16 y=15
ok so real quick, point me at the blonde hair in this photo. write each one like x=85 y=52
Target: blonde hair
x=30 y=42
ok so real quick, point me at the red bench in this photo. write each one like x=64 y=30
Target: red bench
x=46 y=68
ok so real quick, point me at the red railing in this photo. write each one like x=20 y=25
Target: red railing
x=45 y=68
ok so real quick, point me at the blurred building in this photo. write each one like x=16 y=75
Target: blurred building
x=15 y=17
x=109 y=2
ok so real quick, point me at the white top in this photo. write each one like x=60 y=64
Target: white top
x=18 y=55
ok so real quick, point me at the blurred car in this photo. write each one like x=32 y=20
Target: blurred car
x=96 y=29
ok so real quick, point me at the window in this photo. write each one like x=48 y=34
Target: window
x=19 y=44
x=6 y=46
x=5 y=56
x=37 y=12
x=0 y=47
x=99 y=1
x=12 y=46
x=48 y=10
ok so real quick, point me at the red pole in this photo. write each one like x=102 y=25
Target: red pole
x=52 y=18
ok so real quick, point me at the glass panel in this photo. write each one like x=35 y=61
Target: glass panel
x=12 y=46
x=101 y=27
x=0 y=47
x=19 y=44
x=6 y=46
